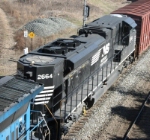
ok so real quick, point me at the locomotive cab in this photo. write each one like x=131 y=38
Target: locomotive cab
x=119 y=29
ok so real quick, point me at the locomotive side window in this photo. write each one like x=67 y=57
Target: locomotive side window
x=125 y=29
x=125 y=34
x=117 y=56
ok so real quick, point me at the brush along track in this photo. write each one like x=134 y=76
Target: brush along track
x=111 y=116
x=6 y=44
x=6 y=34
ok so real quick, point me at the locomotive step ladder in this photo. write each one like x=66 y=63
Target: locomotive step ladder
x=38 y=125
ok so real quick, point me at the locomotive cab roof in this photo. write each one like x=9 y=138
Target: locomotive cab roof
x=108 y=26
x=111 y=21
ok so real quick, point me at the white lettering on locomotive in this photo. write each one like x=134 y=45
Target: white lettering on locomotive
x=131 y=38
x=44 y=76
x=106 y=49
x=95 y=58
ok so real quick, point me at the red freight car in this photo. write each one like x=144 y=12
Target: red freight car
x=140 y=12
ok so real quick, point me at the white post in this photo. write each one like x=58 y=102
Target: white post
x=25 y=36
x=26 y=50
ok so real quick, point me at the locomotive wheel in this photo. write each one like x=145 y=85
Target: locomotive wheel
x=73 y=117
x=39 y=135
x=131 y=59
x=89 y=102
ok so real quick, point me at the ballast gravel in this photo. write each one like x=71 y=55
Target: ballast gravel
x=117 y=94
x=45 y=27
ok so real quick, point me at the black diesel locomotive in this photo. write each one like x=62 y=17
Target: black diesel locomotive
x=78 y=70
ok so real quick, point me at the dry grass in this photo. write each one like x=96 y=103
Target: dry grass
x=38 y=41
x=6 y=33
x=22 y=11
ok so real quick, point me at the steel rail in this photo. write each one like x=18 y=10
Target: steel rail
x=139 y=113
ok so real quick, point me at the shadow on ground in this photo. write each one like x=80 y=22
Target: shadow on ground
x=130 y=114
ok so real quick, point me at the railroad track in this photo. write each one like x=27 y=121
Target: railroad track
x=140 y=126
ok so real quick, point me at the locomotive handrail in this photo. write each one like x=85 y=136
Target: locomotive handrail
x=35 y=126
x=53 y=118
x=86 y=80
x=22 y=138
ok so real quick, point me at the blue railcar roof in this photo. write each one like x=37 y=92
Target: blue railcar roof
x=15 y=92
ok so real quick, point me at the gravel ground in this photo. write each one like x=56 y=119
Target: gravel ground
x=45 y=27
x=110 y=119
x=134 y=88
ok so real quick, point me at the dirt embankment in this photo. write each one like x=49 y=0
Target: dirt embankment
x=6 y=43
x=6 y=34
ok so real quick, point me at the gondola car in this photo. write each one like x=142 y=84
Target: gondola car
x=77 y=71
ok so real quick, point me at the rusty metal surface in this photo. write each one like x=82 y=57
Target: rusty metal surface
x=140 y=12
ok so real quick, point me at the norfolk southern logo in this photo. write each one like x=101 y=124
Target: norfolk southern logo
x=105 y=50
x=44 y=76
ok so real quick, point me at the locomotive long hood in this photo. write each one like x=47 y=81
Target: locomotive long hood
x=75 y=52
x=91 y=46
